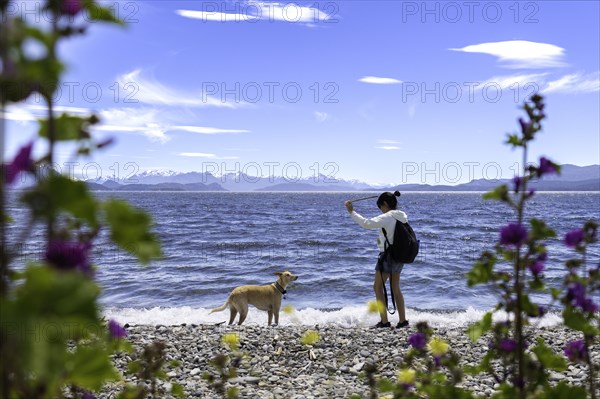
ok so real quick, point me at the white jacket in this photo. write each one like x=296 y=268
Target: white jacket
x=386 y=220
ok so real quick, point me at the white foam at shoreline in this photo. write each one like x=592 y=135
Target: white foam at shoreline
x=351 y=316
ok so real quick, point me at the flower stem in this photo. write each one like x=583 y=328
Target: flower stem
x=588 y=346
x=520 y=377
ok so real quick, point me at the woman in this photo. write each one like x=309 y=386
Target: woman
x=386 y=267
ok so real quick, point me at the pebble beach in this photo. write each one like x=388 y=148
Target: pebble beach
x=276 y=364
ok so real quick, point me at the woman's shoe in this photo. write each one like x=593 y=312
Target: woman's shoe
x=382 y=325
x=402 y=324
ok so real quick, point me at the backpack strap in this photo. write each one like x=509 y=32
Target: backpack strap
x=386 y=239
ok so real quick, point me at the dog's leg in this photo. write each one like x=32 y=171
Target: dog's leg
x=243 y=315
x=270 y=317
x=276 y=317
x=232 y=313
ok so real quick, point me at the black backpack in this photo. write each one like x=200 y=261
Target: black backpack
x=406 y=246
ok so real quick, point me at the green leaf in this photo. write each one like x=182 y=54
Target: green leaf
x=540 y=230
x=48 y=310
x=500 y=193
x=233 y=392
x=385 y=385
x=577 y=321
x=74 y=197
x=444 y=392
x=556 y=293
x=564 y=391
x=130 y=229
x=90 y=367
x=514 y=140
x=548 y=358
x=483 y=269
x=67 y=127
x=53 y=294
x=177 y=390
x=102 y=14
x=476 y=330
x=134 y=367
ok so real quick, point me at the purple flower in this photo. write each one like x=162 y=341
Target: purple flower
x=546 y=167
x=524 y=126
x=589 y=306
x=576 y=296
x=541 y=311
x=576 y=351
x=66 y=255
x=513 y=235
x=574 y=237
x=116 y=330
x=21 y=163
x=536 y=268
x=418 y=340
x=71 y=7
x=508 y=345
x=88 y=395
x=518 y=182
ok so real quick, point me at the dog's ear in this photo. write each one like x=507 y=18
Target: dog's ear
x=278 y=273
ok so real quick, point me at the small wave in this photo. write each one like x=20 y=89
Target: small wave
x=349 y=316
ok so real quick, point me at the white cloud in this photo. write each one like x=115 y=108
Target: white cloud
x=149 y=91
x=208 y=130
x=203 y=155
x=412 y=110
x=252 y=11
x=515 y=82
x=150 y=122
x=215 y=16
x=18 y=114
x=520 y=53
x=133 y=120
x=389 y=145
x=321 y=116
x=574 y=84
x=32 y=112
x=379 y=81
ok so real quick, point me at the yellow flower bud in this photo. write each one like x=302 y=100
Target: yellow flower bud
x=288 y=309
x=232 y=340
x=407 y=376
x=376 y=307
x=438 y=346
x=310 y=337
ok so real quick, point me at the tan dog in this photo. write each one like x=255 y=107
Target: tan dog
x=263 y=297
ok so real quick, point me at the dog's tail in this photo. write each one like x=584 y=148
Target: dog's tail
x=220 y=308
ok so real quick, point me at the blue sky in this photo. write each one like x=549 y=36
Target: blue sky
x=379 y=91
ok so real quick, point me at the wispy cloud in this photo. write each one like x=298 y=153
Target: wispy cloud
x=321 y=116
x=32 y=112
x=515 y=81
x=412 y=110
x=520 y=53
x=208 y=130
x=252 y=11
x=379 y=80
x=142 y=121
x=575 y=83
x=204 y=155
x=389 y=145
x=152 y=123
x=150 y=91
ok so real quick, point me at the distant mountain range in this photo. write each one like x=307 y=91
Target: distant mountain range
x=572 y=178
